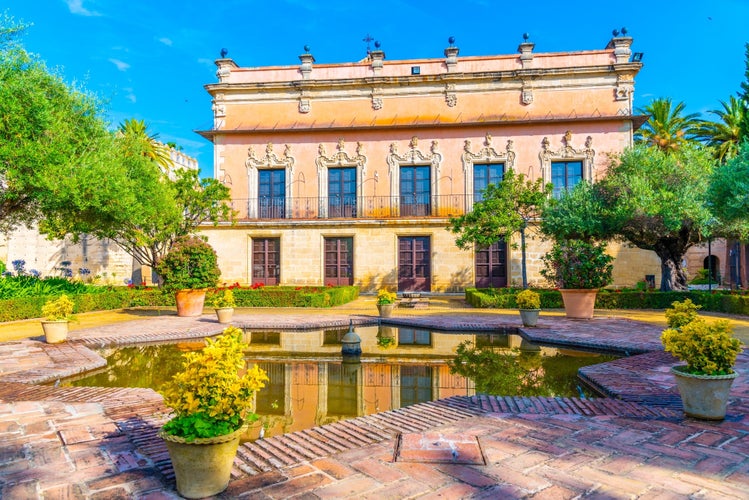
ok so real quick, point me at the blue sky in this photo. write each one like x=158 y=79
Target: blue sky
x=151 y=58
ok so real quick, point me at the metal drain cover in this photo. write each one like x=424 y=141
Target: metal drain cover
x=439 y=448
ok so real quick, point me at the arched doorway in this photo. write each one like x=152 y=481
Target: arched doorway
x=711 y=263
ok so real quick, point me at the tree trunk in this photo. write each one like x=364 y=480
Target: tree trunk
x=673 y=276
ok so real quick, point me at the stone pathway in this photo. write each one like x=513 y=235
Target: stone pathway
x=77 y=442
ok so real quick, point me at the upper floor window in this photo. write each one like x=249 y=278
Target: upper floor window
x=271 y=192
x=415 y=190
x=565 y=175
x=485 y=174
x=342 y=192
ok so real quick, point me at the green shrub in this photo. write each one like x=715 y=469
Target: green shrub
x=716 y=301
x=191 y=263
x=708 y=348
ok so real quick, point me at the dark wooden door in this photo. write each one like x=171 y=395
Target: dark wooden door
x=339 y=261
x=266 y=261
x=491 y=266
x=414 y=264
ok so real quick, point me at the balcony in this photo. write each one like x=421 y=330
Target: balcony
x=352 y=207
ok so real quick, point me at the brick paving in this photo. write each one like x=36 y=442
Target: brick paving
x=95 y=443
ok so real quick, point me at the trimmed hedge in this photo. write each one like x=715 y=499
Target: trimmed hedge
x=122 y=297
x=287 y=296
x=715 y=301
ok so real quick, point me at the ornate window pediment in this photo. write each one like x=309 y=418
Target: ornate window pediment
x=269 y=160
x=586 y=155
x=414 y=156
x=338 y=159
x=487 y=154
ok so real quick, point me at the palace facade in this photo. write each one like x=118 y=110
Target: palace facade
x=348 y=173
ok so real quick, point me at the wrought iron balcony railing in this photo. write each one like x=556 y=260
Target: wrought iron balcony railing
x=352 y=207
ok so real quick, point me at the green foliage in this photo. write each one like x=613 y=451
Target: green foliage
x=32 y=286
x=528 y=299
x=576 y=264
x=667 y=128
x=222 y=298
x=681 y=313
x=708 y=348
x=209 y=397
x=386 y=297
x=727 y=194
x=48 y=130
x=59 y=309
x=578 y=214
x=505 y=209
x=191 y=263
x=724 y=136
x=716 y=301
x=656 y=200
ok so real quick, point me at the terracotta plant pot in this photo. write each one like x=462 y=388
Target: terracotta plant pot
x=385 y=310
x=529 y=316
x=224 y=314
x=190 y=302
x=703 y=396
x=202 y=467
x=579 y=304
x=55 y=331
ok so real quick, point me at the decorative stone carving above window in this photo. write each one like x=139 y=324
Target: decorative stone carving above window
x=567 y=152
x=219 y=111
x=526 y=94
x=486 y=154
x=270 y=160
x=451 y=98
x=376 y=99
x=338 y=159
x=414 y=156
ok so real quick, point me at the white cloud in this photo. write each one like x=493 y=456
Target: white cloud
x=76 y=7
x=129 y=94
x=208 y=62
x=165 y=41
x=122 y=66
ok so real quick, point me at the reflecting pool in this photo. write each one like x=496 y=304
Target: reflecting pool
x=311 y=384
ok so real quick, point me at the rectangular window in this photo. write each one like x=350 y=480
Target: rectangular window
x=416 y=384
x=415 y=187
x=565 y=175
x=414 y=337
x=343 y=381
x=271 y=194
x=485 y=174
x=272 y=399
x=342 y=192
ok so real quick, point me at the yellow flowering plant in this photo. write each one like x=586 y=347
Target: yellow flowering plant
x=528 y=299
x=60 y=309
x=213 y=394
x=385 y=297
x=223 y=299
x=708 y=348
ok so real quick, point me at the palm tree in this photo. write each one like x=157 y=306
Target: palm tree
x=724 y=134
x=668 y=128
x=152 y=147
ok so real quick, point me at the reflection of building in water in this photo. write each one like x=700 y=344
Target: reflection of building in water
x=317 y=388
x=310 y=384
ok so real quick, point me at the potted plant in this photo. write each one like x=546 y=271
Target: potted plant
x=386 y=302
x=224 y=304
x=386 y=337
x=188 y=270
x=57 y=313
x=709 y=350
x=579 y=268
x=529 y=304
x=212 y=405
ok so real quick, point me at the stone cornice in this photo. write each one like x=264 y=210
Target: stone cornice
x=637 y=121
